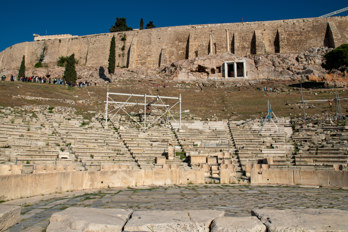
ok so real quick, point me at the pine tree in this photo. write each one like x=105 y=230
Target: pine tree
x=70 y=75
x=111 y=67
x=141 y=24
x=150 y=25
x=21 y=71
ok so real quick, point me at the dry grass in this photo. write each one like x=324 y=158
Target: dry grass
x=223 y=101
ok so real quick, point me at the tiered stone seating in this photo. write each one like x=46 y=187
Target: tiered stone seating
x=94 y=146
x=24 y=141
x=209 y=146
x=320 y=144
x=147 y=146
x=271 y=145
x=199 y=137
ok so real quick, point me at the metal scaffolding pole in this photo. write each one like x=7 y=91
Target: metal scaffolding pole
x=303 y=106
x=180 y=112
x=106 y=110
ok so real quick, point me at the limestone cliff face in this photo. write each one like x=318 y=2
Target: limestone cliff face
x=157 y=47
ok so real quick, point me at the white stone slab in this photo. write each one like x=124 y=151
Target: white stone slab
x=170 y=221
x=9 y=215
x=303 y=219
x=88 y=219
x=237 y=224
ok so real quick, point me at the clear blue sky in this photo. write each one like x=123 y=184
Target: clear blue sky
x=19 y=19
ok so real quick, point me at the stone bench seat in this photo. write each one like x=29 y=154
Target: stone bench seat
x=36 y=161
x=99 y=161
x=143 y=154
x=99 y=153
x=321 y=164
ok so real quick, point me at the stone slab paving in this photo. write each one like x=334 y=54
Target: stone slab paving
x=318 y=220
x=9 y=215
x=237 y=224
x=235 y=200
x=172 y=221
x=76 y=219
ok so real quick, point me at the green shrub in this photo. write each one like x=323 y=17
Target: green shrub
x=38 y=65
x=337 y=58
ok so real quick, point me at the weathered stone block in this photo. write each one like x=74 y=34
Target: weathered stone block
x=198 y=159
x=236 y=224
x=89 y=219
x=303 y=219
x=9 y=215
x=170 y=221
x=212 y=160
x=160 y=160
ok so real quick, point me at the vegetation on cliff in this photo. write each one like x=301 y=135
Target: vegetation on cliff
x=70 y=74
x=62 y=61
x=141 y=26
x=150 y=25
x=337 y=58
x=21 y=71
x=112 y=54
x=120 y=25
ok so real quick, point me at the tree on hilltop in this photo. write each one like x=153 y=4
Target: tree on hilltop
x=141 y=27
x=111 y=67
x=70 y=74
x=120 y=25
x=21 y=71
x=150 y=25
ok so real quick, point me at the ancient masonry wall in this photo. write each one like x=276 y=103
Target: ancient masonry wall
x=299 y=176
x=160 y=46
x=27 y=185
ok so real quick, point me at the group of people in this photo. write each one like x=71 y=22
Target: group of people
x=34 y=79
x=3 y=78
x=47 y=79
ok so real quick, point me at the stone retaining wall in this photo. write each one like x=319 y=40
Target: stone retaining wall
x=27 y=185
x=299 y=176
x=156 y=47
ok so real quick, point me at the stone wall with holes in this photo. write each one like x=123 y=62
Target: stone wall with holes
x=157 y=47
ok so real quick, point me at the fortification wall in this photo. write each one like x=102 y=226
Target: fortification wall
x=27 y=185
x=160 y=46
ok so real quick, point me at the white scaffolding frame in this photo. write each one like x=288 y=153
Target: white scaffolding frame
x=120 y=106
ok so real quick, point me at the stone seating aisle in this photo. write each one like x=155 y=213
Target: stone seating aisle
x=147 y=146
x=270 y=146
x=209 y=146
x=320 y=144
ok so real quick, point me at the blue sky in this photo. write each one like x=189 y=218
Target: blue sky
x=19 y=19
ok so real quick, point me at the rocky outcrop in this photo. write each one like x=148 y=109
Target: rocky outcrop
x=284 y=66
